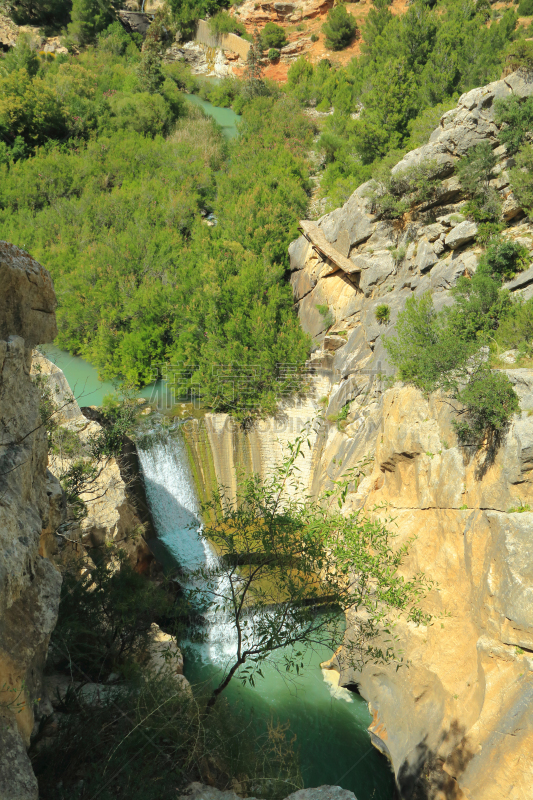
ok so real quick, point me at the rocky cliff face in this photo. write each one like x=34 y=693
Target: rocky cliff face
x=457 y=722
x=111 y=515
x=29 y=584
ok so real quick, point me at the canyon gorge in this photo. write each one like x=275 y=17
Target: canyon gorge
x=456 y=718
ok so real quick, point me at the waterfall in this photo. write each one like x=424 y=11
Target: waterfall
x=172 y=498
x=176 y=512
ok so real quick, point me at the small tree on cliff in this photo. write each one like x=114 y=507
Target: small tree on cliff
x=254 y=84
x=289 y=565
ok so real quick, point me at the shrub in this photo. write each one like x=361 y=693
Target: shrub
x=432 y=351
x=490 y=401
x=326 y=314
x=340 y=28
x=223 y=23
x=392 y=195
x=520 y=55
x=525 y=8
x=383 y=313
x=522 y=178
x=273 y=54
x=314 y=37
x=504 y=259
x=516 y=327
x=273 y=36
x=475 y=171
x=517 y=120
x=424 y=349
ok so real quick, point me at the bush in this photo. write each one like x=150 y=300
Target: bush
x=383 y=313
x=273 y=54
x=522 y=178
x=520 y=55
x=339 y=29
x=442 y=351
x=314 y=37
x=504 y=259
x=326 y=314
x=223 y=23
x=516 y=327
x=273 y=36
x=392 y=195
x=490 y=401
x=516 y=116
x=525 y=8
x=475 y=171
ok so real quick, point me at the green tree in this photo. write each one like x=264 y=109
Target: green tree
x=339 y=29
x=273 y=36
x=88 y=18
x=253 y=71
x=521 y=178
x=389 y=107
x=52 y=13
x=23 y=56
x=288 y=566
x=516 y=118
x=30 y=109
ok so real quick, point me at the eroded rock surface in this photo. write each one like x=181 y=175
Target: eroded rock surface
x=29 y=504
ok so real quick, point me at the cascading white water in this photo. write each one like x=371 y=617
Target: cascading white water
x=174 y=505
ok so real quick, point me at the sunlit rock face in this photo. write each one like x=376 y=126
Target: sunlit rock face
x=29 y=504
x=457 y=718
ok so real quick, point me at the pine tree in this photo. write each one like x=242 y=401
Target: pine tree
x=149 y=70
x=254 y=84
x=88 y=18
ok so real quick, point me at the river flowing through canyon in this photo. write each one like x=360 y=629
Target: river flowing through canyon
x=329 y=722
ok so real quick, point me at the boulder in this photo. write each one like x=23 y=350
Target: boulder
x=323 y=793
x=462 y=233
x=425 y=255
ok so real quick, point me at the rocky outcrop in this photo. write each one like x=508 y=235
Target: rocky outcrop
x=392 y=260
x=29 y=584
x=252 y=13
x=457 y=722
x=457 y=718
x=111 y=515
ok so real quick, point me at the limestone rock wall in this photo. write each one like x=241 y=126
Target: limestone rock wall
x=458 y=721
x=111 y=515
x=29 y=584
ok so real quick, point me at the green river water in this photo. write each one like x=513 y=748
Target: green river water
x=330 y=723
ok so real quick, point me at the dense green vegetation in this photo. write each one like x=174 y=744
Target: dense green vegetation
x=411 y=70
x=121 y=169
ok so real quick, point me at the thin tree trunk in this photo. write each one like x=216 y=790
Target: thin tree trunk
x=225 y=682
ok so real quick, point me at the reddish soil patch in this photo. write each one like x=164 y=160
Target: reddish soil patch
x=317 y=50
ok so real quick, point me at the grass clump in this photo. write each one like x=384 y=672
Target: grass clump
x=383 y=313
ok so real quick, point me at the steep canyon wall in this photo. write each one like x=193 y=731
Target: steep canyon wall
x=457 y=719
